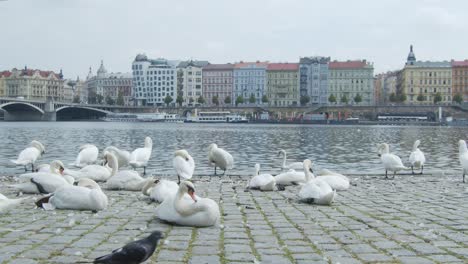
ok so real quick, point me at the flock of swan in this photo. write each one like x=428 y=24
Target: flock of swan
x=78 y=189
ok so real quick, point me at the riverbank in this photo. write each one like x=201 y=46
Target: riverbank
x=412 y=219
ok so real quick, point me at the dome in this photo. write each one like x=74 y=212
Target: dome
x=411 y=57
x=141 y=57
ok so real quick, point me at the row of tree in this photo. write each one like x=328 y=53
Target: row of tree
x=94 y=98
x=399 y=98
x=215 y=100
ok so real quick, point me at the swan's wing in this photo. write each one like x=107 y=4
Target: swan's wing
x=392 y=161
x=124 y=179
x=87 y=155
x=50 y=182
x=222 y=158
x=27 y=156
x=140 y=156
x=184 y=168
x=70 y=197
x=310 y=190
x=296 y=166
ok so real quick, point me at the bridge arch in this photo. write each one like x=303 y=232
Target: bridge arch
x=2 y=106
x=82 y=107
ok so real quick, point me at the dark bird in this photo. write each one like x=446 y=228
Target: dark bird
x=134 y=252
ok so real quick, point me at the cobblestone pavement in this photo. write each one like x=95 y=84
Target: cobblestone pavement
x=406 y=220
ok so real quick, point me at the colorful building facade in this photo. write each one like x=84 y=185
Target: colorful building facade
x=283 y=84
x=218 y=81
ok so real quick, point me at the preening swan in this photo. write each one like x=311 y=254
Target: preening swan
x=219 y=157
x=336 y=181
x=264 y=182
x=290 y=177
x=293 y=165
x=97 y=172
x=417 y=158
x=463 y=157
x=30 y=154
x=123 y=156
x=128 y=180
x=87 y=195
x=140 y=156
x=188 y=210
x=184 y=164
x=390 y=161
x=87 y=156
x=159 y=190
x=7 y=204
x=315 y=190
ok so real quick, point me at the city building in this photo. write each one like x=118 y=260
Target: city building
x=351 y=81
x=34 y=84
x=75 y=91
x=314 y=79
x=3 y=76
x=379 y=81
x=154 y=80
x=250 y=81
x=389 y=86
x=421 y=81
x=109 y=88
x=189 y=80
x=460 y=79
x=283 y=84
x=218 y=81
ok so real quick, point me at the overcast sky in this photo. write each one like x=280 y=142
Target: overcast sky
x=76 y=34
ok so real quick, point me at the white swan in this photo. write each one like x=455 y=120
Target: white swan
x=97 y=172
x=159 y=190
x=336 y=181
x=417 y=158
x=7 y=204
x=55 y=167
x=293 y=165
x=219 y=157
x=123 y=156
x=290 y=177
x=140 y=156
x=184 y=164
x=87 y=195
x=30 y=154
x=315 y=190
x=463 y=157
x=390 y=161
x=264 y=182
x=128 y=180
x=181 y=210
x=87 y=156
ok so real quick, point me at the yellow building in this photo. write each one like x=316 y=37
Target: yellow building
x=283 y=84
x=34 y=84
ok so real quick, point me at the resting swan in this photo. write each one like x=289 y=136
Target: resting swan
x=188 y=211
x=417 y=158
x=87 y=156
x=264 y=182
x=463 y=157
x=290 y=177
x=336 y=181
x=123 y=156
x=7 y=204
x=140 y=156
x=184 y=164
x=128 y=180
x=97 y=172
x=390 y=161
x=293 y=165
x=30 y=154
x=219 y=157
x=158 y=190
x=315 y=190
x=87 y=195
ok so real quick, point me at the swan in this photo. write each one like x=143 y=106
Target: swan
x=188 y=211
x=87 y=195
x=140 y=156
x=315 y=190
x=7 y=204
x=463 y=157
x=417 y=158
x=390 y=161
x=87 y=156
x=184 y=164
x=219 y=157
x=30 y=154
x=290 y=177
x=123 y=156
x=264 y=182
x=293 y=165
x=336 y=181
x=97 y=172
x=158 y=190
x=55 y=167
x=128 y=180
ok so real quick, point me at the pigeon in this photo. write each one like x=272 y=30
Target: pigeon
x=133 y=253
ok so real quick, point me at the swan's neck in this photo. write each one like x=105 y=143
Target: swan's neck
x=462 y=148
x=284 y=159
x=144 y=183
x=415 y=146
x=184 y=208
x=114 y=166
x=257 y=171
x=147 y=187
x=385 y=150
x=308 y=175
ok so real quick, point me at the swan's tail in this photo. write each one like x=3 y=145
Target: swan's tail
x=327 y=199
x=20 y=162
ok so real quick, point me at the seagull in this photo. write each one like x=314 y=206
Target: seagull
x=133 y=253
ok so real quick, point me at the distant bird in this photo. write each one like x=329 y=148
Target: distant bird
x=30 y=154
x=140 y=156
x=134 y=252
x=184 y=164
x=417 y=158
x=390 y=161
x=293 y=165
x=87 y=156
x=219 y=157
x=123 y=156
x=463 y=157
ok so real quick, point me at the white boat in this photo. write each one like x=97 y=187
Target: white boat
x=120 y=117
x=173 y=118
x=216 y=117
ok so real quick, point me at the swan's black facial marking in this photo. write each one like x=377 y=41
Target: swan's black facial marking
x=186 y=159
x=310 y=169
x=156 y=181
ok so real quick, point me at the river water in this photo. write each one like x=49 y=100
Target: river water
x=346 y=149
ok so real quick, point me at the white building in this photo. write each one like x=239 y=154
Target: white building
x=189 y=80
x=153 y=80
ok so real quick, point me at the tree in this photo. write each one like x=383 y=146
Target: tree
x=76 y=99
x=393 y=97
x=401 y=98
x=304 y=99
x=179 y=100
x=252 y=99
x=168 y=100
x=201 y=100
x=264 y=99
x=239 y=100
x=109 y=100
x=215 y=100
x=357 y=98
x=332 y=98
x=437 y=98
x=344 y=99
x=420 y=98
x=99 y=99
x=458 y=98
x=227 y=100
x=190 y=100
x=120 y=99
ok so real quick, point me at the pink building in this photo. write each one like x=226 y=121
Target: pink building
x=217 y=81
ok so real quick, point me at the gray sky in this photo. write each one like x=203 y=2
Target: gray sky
x=76 y=34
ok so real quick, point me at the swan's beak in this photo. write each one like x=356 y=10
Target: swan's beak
x=61 y=170
x=192 y=194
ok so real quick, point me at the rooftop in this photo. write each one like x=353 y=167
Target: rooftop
x=257 y=64
x=283 y=66
x=357 y=64
x=226 y=66
x=185 y=64
x=431 y=64
x=463 y=63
